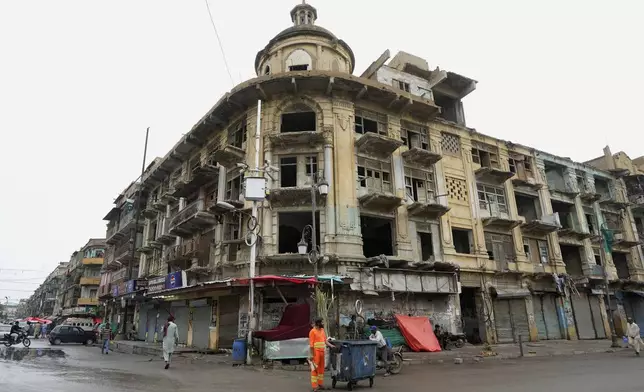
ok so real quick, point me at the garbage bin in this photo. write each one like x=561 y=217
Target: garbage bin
x=357 y=362
x=239 y=351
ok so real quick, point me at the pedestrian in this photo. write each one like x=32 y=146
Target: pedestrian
x=383 y=348
x=105 y=335
x=43 y=331
x=170 y=338
x=634 y=338
x=317 y=345
x=37 y=329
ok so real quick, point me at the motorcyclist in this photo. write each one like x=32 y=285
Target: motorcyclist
x=383 y=348
x=15 y=331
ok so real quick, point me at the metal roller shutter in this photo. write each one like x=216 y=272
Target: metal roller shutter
x=539 y=317
x=583 y=317
x=151 y=326
x=634 y=308
x=598 y=319
x=551 y=316
x=228 y=320
x=503 y=321
x=181 y=316
x=201 y=326
x=520 y=318
x=143 y=322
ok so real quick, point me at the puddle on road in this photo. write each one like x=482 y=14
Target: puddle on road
x=26 y=354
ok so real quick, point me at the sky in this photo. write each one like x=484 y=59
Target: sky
x=81 y=80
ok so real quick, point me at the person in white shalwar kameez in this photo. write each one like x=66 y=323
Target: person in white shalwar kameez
x=170 y=338
x=634 y=339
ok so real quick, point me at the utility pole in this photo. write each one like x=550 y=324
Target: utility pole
x=253 y=247
x=134 y=230
x=604 y=248
x=314 y=242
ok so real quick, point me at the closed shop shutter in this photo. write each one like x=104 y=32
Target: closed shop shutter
x=502 y=321
x=143 y=322
x=228 y=320
x=539 y=317
x=583 y=316
x=598 y=319
x=520 y=318
x=551 y=316
x=151 y=327
x=201 y=326
x=181 y=315
x=634 y=307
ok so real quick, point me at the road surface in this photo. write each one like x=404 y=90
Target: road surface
x=77 y=368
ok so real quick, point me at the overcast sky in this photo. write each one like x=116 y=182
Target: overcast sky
x=81 y=80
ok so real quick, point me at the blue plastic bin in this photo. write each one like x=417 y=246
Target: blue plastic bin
x=357 y=362
x=239 y=351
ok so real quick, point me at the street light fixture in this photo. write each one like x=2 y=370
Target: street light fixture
x=321 y=187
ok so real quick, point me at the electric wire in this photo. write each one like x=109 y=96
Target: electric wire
x=221 y=47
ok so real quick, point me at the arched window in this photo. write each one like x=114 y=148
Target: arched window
x=298 y=118
x=267 y=70
x=299 y=60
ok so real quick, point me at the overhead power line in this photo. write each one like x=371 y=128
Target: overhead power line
x=221 y=47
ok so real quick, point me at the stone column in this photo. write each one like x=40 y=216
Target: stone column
x=329 y=233
x=436 y=241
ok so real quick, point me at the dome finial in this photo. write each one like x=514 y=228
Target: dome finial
x=304 y=14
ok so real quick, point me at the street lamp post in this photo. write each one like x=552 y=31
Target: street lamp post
x=321 y=187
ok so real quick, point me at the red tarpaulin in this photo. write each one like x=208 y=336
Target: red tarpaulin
x=278 y=279
x=418 y=333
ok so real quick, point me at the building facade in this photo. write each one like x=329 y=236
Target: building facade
x=425 y=216
x=44 y=301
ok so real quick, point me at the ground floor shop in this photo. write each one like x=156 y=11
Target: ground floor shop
x=589 y=314
x=632 y=303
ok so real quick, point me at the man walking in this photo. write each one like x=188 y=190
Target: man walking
x=105 y=335
x=317 y=344
x=170 y=338
x=634 y=338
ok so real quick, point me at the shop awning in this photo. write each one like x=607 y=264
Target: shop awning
x=638 y=292
x=506 y=293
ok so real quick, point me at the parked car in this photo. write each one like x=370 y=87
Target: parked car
x=71 y=334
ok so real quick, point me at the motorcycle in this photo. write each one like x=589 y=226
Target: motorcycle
x=22 y=338
x=395 y=362
x=449 y=340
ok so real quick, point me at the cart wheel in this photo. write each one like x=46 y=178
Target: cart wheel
x=350 y=386
x=333 y=382
x=371 y=382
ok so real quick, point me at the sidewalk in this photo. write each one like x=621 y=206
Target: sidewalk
x=145 y=348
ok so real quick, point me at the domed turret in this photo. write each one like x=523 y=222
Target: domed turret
x=304 y=47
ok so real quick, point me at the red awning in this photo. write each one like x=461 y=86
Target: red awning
x=277 y=279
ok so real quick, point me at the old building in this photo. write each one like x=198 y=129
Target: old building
x=44 y=301
x=425 y=215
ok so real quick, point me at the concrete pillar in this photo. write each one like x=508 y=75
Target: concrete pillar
x=566 y=316
x=605 y=314
x=403 y=238
x=532 y=324
x=436 y=243
x=328 y=176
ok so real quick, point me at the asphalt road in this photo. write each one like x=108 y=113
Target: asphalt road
x=79 y=368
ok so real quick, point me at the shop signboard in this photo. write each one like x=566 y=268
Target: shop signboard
x=115 y=290
x=156 y=284
x=131 y=286
x=175 y=280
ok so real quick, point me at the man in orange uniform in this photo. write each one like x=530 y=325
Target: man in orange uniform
x=317 y=343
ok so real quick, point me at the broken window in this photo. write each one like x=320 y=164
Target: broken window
x=527 y=207
x=419 y=185
x=298 y=118
x=513 y=165
x=231 y=227
x=590 y=220
x=581 y=181
x=311 y=167
x=400 y=85
x=237 y=134
x=567 y=214
x=377 y=236
x=572 y=258
x=613 y=221
x=450 y=108
x=555 y=177
x=485 y=156
x=526 y=248
x=500 y=248
x=597 y=255
x=267 y=70
x=425 y=93
x=288 y=172
x=234 y=185
x=291 y=227
x=491 y=197
x=299 y=60
x=462 y=240
x=425 y=246
x=602 y=188
x=543 y=251
x=368 y=121
x=414 y=136
x=374 y=175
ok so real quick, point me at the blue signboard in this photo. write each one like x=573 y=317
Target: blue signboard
x=130 y=286
x=115 y=291
x=175 y=280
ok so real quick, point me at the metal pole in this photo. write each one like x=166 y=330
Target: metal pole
x=137 y=212
x=253 y=247
x=613 y=334
x=314 y=236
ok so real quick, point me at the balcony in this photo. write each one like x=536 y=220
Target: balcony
x=166 y=237
x=374 y=144
x=526 y=179
x=183 y=252
x=198 y=176
x=90 y=281
x=570 y=227
x=545 y=225
x=588 y=194
x=613 y=202
x=105 y=290
x=417 y=156
x=229 y=156
x=84 y=301
x=293 y=197
x=625 y=240
x=296 y=139
x=149 y=211
x=116 y=233
x=192 y=219
x=497 y=216
x=123 y=253
x=92 y=261
x=377 y=196
x=119 y=276
x=494 y=175
x=428 y=207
